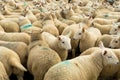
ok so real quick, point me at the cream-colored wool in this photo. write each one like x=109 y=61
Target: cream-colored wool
x=11 y=62
x=61 y=44
x=66 y=21
x=27 y=27
x=49 y=26
x=9 y=26
x=40 y=59
x=107 y=16
x=106 y=39
x=71 y=15
x=103 y=21
x=86 y=67
x=115 y=42
x=109 y=70
x=73 y=29
x=28 y=13
x=18 y=37
x=104 y=29
x=115 y=30
x=3 y=73
x=59 y=24
x=19 y=47
x=87 y=37
x=37 y=24
x=1 y=29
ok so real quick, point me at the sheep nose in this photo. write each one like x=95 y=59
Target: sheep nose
x=73 y=38
x=69 y=50
x=117 y=62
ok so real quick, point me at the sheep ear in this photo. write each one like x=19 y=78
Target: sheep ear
x=83 y=30
x=104 y=52
x=118 y=26
x=69 y=34
x=59 y=38
x=101 y=45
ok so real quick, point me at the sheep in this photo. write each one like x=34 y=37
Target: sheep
x=9 y=26
x=19 y=47
x=28 y=13
x=37 y=23
x=61 y=44
x=11 y=62
x=73 y=28
x=103 y=21
x=71 y=15
x=104 y=29
x=59 y=24
x=115 y=30
x=87 y=37
x=49 y=26
x=86 y=67
x=18 y=37
x=106 y=39
x=40 y=59
x=108 y=71
x=5 y=11
x=3 y=73
x=115 y=42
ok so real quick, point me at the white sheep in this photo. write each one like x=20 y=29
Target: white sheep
x=106 y=39
x=115 y=42
x=19 y=37
x=49 y=26
x=115 y=30
x=59 y=24
x=73 y=29
x=103 y=21
x=3 y=73
x=109 y=71
x=19 y=47
x=86 y=67
x=61 y=44
x=11 y=62
x=9 y=26
x=87 y=37
x=104 y=29
x=40 y=59
x=1 y=29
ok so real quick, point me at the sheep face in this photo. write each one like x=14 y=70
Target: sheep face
x=78 y=33
x=115 y=42
x=115 y=29
x=64 y=42
x=109 y=57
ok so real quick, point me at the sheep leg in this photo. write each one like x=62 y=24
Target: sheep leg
x=20 y=76
x=18 y=73
x=73 y=53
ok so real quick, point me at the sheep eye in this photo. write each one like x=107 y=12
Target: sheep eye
x=115 y=29
x=63 y=42
x=109 y=56
x=79 y=33
x=116 y=41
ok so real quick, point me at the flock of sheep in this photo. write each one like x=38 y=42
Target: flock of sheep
x=38 y=36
